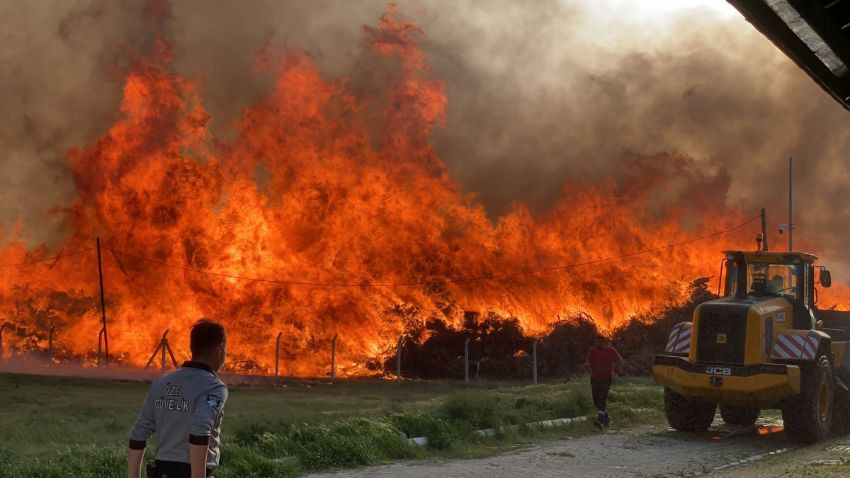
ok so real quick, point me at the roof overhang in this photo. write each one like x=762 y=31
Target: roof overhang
x=815 y=34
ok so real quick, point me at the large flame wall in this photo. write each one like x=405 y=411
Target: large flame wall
x=339 y=186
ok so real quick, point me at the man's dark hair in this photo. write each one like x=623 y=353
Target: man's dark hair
x=206 y=335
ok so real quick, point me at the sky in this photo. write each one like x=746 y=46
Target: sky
x=652 y=7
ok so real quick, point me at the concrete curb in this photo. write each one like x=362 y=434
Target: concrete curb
x=491 y=432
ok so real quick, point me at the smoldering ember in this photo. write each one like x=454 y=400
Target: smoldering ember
x=430 y=191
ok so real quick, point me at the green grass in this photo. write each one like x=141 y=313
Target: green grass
x=55 y=426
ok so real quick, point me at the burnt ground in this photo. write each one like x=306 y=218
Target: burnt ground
x=649 y=451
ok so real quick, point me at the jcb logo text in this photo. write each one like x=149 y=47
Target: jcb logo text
x=718 y=370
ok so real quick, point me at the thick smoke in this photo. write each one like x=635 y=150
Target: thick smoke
x=567 y=90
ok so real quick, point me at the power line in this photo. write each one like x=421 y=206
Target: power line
x=48 y=259
x=435 y=282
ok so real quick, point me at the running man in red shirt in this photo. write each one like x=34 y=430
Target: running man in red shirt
x=601 y=359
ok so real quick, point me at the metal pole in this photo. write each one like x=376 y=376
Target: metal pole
x=277 y=355
x=102 y=306
x=534 y=360
x=398 y=360
x=764 y=230
x=333 y=357
x=50 y=346
x=173 y=359
x=162 y=345
x=466 y=361
x=790 y=204
x=153 y=355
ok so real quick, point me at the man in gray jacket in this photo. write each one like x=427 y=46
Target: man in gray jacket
x=183 y=409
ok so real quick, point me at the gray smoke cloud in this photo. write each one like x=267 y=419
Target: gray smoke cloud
x=538 y=96
x=59 y=76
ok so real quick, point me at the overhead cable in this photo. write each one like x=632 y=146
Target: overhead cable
x=48 y=259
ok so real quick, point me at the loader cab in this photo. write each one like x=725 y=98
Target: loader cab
x=754 y=276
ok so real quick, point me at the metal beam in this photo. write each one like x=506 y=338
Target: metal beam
x=769 y=23
x=824 y=25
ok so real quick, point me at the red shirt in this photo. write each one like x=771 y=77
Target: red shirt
x=602 y=359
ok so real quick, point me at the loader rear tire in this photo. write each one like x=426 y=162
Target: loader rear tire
x=808 y=416
x=686 y=414
x=739 y=415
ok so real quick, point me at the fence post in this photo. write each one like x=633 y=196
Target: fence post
x=50 y=346
x=2 y=354
x=103 y=307
x=277 y=355
x=398 y=360
x=99 y=345
x=161 y=349
x=163 y=345
x=534 y=359
x=333 y=357
x=466 y=361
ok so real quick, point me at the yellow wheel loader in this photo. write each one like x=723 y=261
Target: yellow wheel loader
x=764 y=344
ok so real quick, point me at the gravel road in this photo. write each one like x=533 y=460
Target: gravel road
x=635 y=452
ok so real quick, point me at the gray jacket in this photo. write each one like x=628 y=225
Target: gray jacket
x=182 y=407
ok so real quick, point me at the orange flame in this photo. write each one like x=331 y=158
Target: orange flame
x=328 y=186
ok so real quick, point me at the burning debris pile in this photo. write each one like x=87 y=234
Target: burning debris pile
x=498 y=347
x=330 y=213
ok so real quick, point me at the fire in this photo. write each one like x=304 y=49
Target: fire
x=338 y=201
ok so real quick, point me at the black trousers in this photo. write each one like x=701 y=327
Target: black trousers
x=599 y=391
x=171 y=469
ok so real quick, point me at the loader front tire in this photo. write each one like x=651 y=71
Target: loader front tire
x=686 y=414
x=808 y=416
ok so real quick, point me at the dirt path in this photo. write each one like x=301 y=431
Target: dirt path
x=637 y=452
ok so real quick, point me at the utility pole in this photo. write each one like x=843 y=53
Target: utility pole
x=790 y=203
x=102 y=307
x=764 y=230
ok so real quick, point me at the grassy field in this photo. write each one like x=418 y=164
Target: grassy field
x=54 y=427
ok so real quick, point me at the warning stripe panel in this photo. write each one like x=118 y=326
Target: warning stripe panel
x=786 y=347
x=811 y=347
x=671 y=339
x=679 y=340
x=799 y=341
x=684 y=342
x=795 y=347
